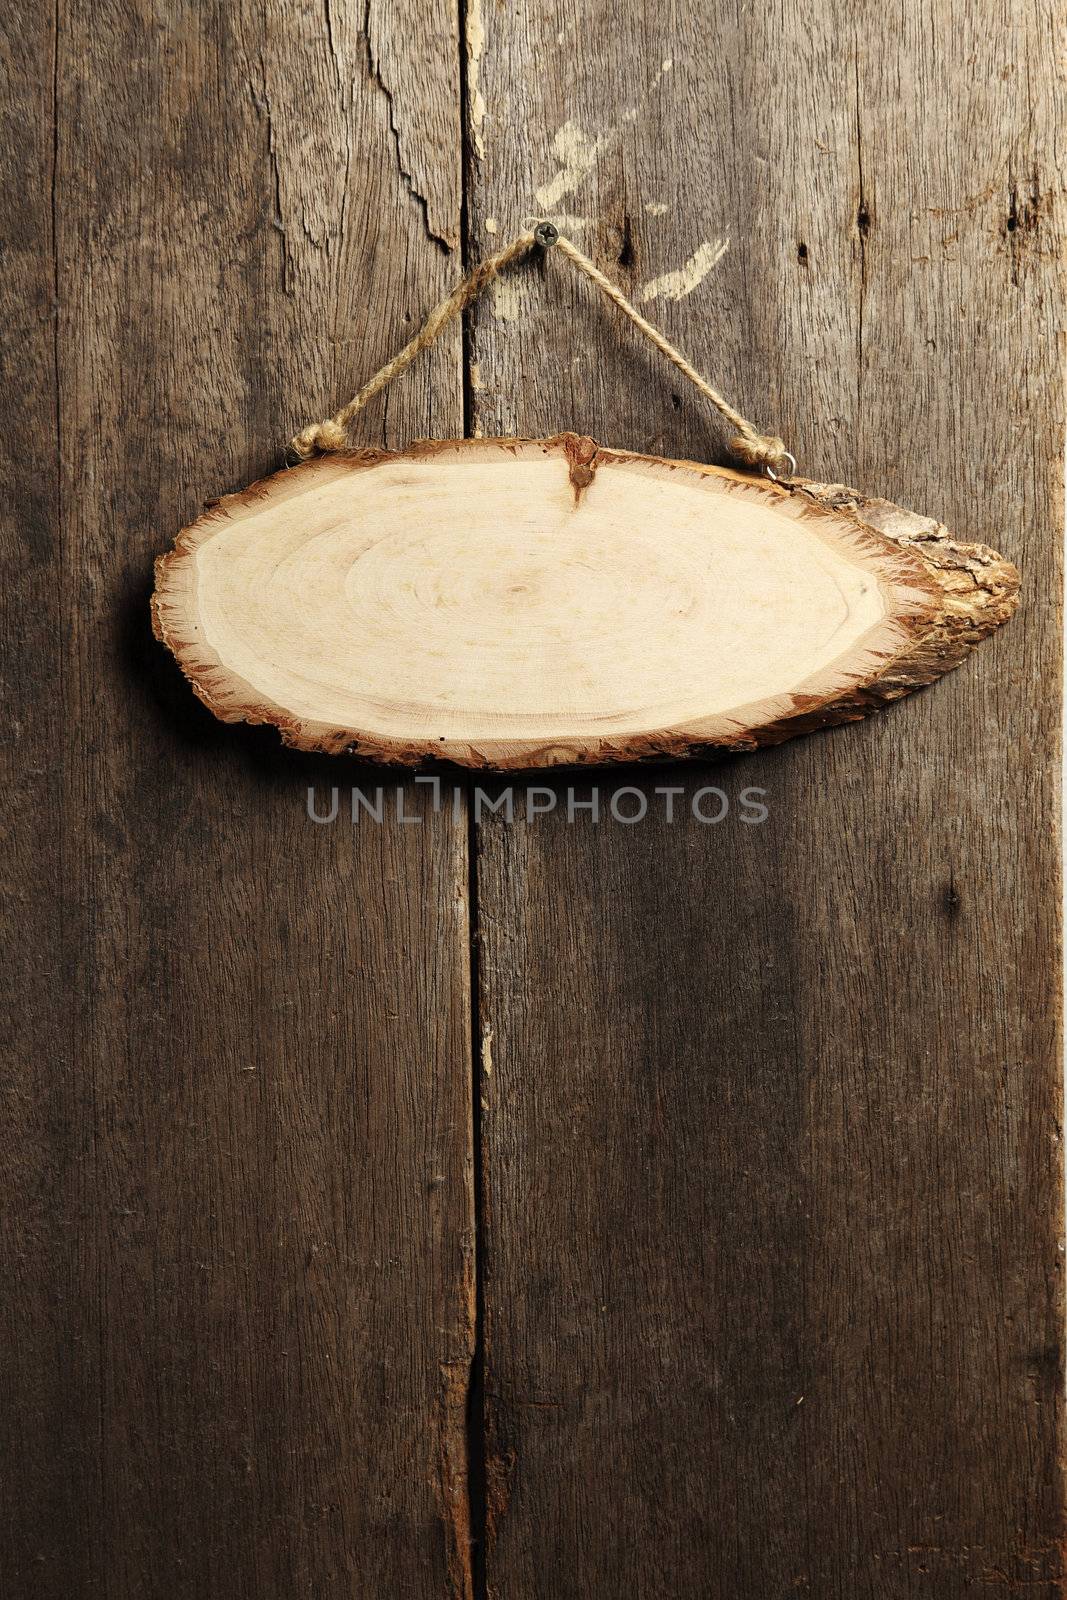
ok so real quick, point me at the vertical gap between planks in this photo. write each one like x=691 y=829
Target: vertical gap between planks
x=476 y=1442
x=476 y=1420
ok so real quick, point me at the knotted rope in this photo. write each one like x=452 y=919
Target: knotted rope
x=748 y=445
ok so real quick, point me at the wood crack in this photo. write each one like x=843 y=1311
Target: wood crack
x=334 y=52
x=261 y=102
x=445 y=241
x=863 y=225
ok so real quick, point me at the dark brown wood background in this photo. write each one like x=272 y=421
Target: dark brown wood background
x=726 y=1263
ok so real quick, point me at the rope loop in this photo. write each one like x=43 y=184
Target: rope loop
x=747 y=445
x=761 y=450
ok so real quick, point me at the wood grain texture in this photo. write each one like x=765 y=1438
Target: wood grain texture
x=522 y=603
x=771 y=1119
x=237 y=1225
x=771 y=1139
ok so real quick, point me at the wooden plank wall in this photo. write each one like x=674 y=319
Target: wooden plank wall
x=767 y=1121
x=238 y=1207
x=772 y=1148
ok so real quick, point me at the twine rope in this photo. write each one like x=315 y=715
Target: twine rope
x=747 y=445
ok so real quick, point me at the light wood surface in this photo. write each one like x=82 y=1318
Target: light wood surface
x=512 y=603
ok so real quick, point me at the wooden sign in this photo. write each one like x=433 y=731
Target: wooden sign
x=522 y=603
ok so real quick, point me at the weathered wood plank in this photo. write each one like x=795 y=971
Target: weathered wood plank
x=40 y=1151
x=772 y=1133
x=237 y=1220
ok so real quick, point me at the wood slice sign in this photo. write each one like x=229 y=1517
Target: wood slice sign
x=515 y=603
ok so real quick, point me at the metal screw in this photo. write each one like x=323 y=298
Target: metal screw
x=546 y=234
